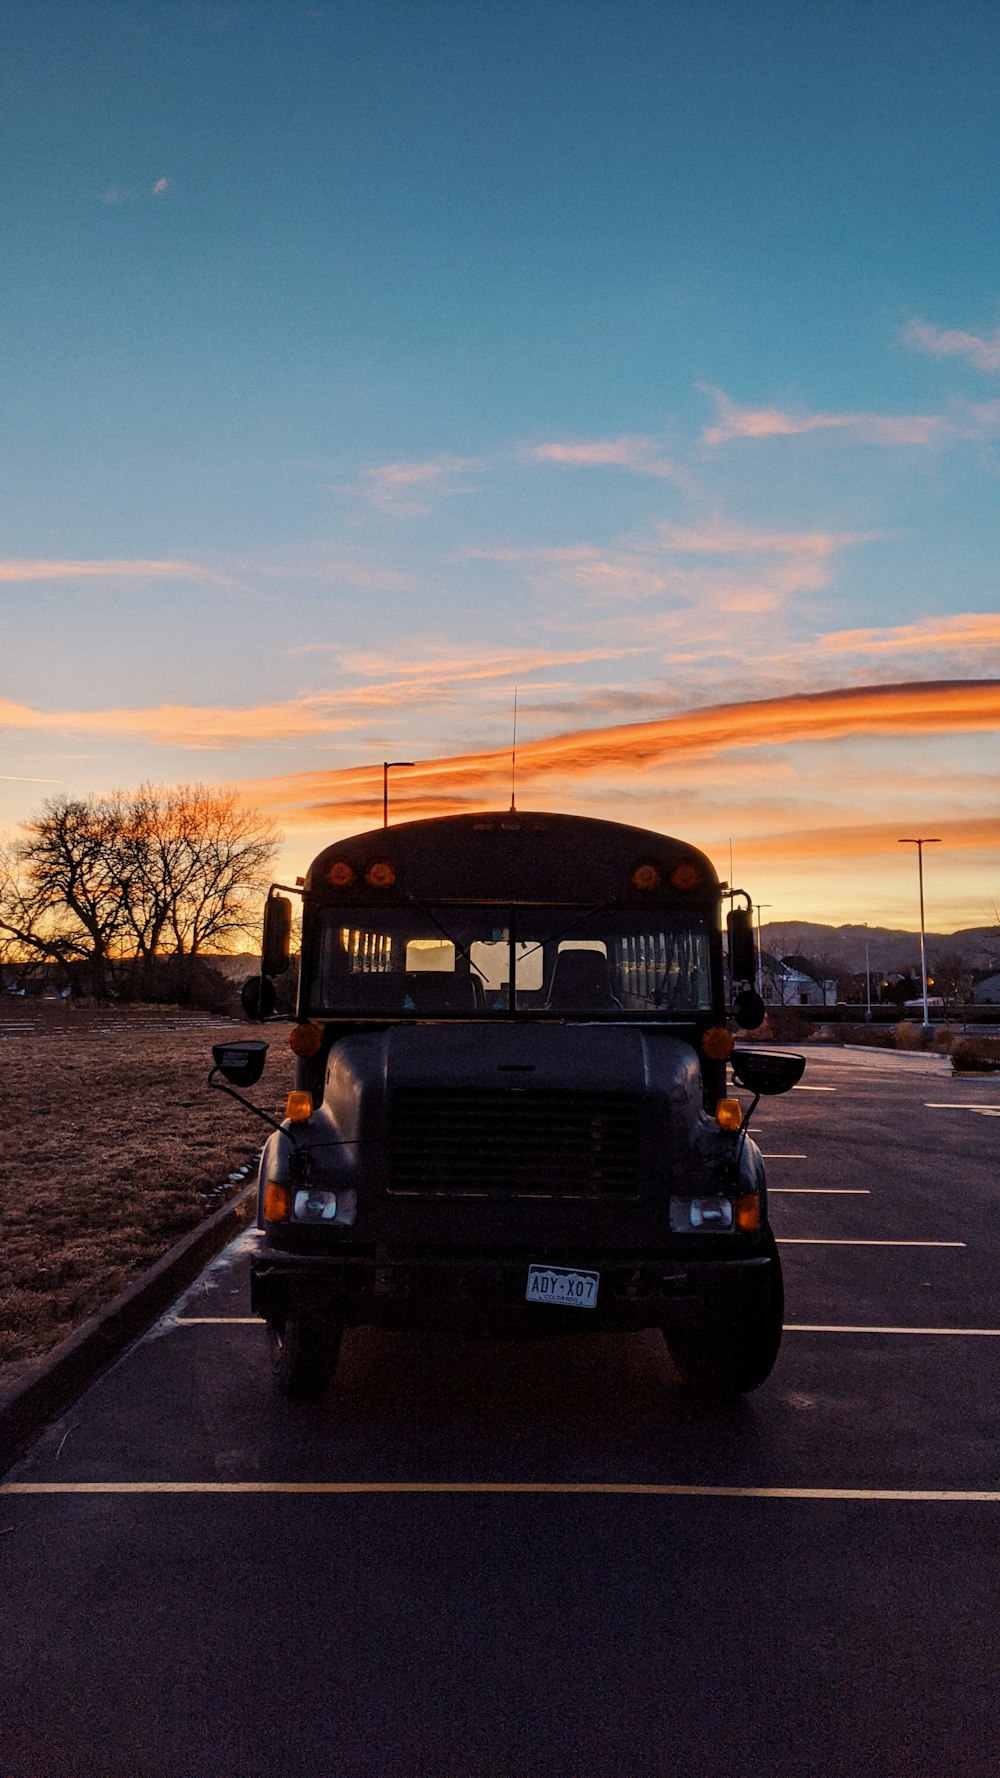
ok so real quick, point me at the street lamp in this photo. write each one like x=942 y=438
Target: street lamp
x=868 y=981
x=389 y=765
x=920 y=844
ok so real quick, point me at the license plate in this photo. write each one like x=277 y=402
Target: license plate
x=562 y=1285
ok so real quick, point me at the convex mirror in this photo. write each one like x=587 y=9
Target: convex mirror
x=766 y=1071
x=242 y=1064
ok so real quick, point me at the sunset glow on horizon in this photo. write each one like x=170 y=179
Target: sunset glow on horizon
x=339 y=408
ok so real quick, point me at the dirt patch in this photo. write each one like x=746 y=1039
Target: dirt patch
x=113 y=1148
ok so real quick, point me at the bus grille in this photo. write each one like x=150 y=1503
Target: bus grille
x=484 y=1142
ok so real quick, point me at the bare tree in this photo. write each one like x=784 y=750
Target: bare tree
x=158 y=872
x=953 y=976
x=62 y=897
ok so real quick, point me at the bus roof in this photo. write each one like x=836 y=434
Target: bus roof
x=516 y=856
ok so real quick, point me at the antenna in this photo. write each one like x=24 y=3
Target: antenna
x=513 y=758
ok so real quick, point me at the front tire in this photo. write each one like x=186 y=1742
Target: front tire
x=736 y=1352
x=304 y=1353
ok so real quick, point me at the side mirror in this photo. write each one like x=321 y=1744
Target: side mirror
x=258 y=997
x=242 y=1064
x=742 y=950
x=276 y=946
x=749 y=1010
x=766 y=1071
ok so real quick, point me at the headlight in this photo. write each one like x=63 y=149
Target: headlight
x=702 y=1214
x=340 y=1207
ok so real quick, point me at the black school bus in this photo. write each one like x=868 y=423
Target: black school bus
x=511 y=1111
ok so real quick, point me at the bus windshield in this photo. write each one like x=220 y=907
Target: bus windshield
x=441 y=959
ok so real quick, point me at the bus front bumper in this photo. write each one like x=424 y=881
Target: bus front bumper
x=466 y=1292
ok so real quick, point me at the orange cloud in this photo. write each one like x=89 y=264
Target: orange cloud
x=953 y=342
x=186 y=725
x=964 y=629
x=438 y=786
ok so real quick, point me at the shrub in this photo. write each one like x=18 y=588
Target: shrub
x=976 y=1055
x=910 y=1036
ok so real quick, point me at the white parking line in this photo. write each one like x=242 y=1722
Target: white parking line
x=805 y=1089
x=652 y=1490
x=833 y=1241
x=965 y=1333
x=818 y=1191
x=942 y=1105
x=783 y=1157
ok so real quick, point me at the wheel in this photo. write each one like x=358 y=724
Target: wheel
x=736 y=1353
x=304 y=1353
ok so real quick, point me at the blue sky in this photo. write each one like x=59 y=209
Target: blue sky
x=364 y=361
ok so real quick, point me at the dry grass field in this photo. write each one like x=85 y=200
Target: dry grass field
x=113 y=1147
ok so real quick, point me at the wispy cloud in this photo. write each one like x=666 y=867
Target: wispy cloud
x=734 y=421
x=121 y=194
x=963 y=629
x=630 y=452
x=19 y=570
x=778 y=565
x=406 y=487
x=981 y=350
x=188 y=725
x=721 y=538
x=392 y=684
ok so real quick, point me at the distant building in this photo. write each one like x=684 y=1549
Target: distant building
x=784 y=985
x=987 y=990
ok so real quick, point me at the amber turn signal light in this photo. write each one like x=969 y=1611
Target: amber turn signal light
x=729 y=1114
x=298 y=1107
x=341 y=873
x=748 y=1211
x=380 y=874
x=277 y=1202
x=305 y=1040
x=717 y=1043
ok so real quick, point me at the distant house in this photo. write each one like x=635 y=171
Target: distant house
x=782 y=984
x=987 y=990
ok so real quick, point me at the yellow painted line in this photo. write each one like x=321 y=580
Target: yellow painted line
x=653 y=1490
x=968 y=1333
x=835 y=1241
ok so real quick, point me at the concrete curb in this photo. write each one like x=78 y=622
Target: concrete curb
x=57 y=1379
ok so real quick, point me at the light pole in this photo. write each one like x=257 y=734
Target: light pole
x=387 y=766
x=868 y=981
x=920 y=844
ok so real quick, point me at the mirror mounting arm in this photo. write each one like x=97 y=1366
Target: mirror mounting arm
x=221 y=1087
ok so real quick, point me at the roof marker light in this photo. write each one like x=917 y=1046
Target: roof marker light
x=380 y=874
x=646 y=876
x=685 y=875
x=341 y=873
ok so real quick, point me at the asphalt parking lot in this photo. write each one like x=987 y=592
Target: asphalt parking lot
x=490 y=1561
